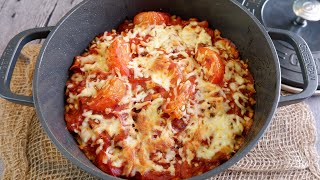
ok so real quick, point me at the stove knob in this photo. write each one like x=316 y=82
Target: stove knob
x=306 y=10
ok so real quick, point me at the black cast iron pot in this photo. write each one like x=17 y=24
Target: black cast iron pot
x=92 y=17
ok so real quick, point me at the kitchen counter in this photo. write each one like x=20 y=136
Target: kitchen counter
x=19 y=15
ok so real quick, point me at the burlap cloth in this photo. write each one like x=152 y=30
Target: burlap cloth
x=287 y=150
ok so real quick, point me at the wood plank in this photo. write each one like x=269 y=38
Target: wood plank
x=16 y=16
x=2 y=4
x=62 y=8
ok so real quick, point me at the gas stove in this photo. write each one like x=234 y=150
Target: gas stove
x=299 y=16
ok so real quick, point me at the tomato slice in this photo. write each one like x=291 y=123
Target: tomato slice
x=151 y=18
x=212 y=63
x=168 y=68
x=108 y=96
x=118 y=56
x=177 y=104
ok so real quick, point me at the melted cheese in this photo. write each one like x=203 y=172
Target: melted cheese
x=150 y=137
x=220 y=131
x=91 y=88
x=141 y=66
x=193 y=35
x=161 y=79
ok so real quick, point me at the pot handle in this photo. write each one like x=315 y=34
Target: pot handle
x=308 y=66
x=8 y=61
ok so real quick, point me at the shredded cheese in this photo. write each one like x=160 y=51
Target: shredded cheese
x=143 y=131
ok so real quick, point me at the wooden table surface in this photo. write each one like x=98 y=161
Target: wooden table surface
x=19 y=15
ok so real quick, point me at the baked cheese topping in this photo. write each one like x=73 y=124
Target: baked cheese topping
x=160 y=100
